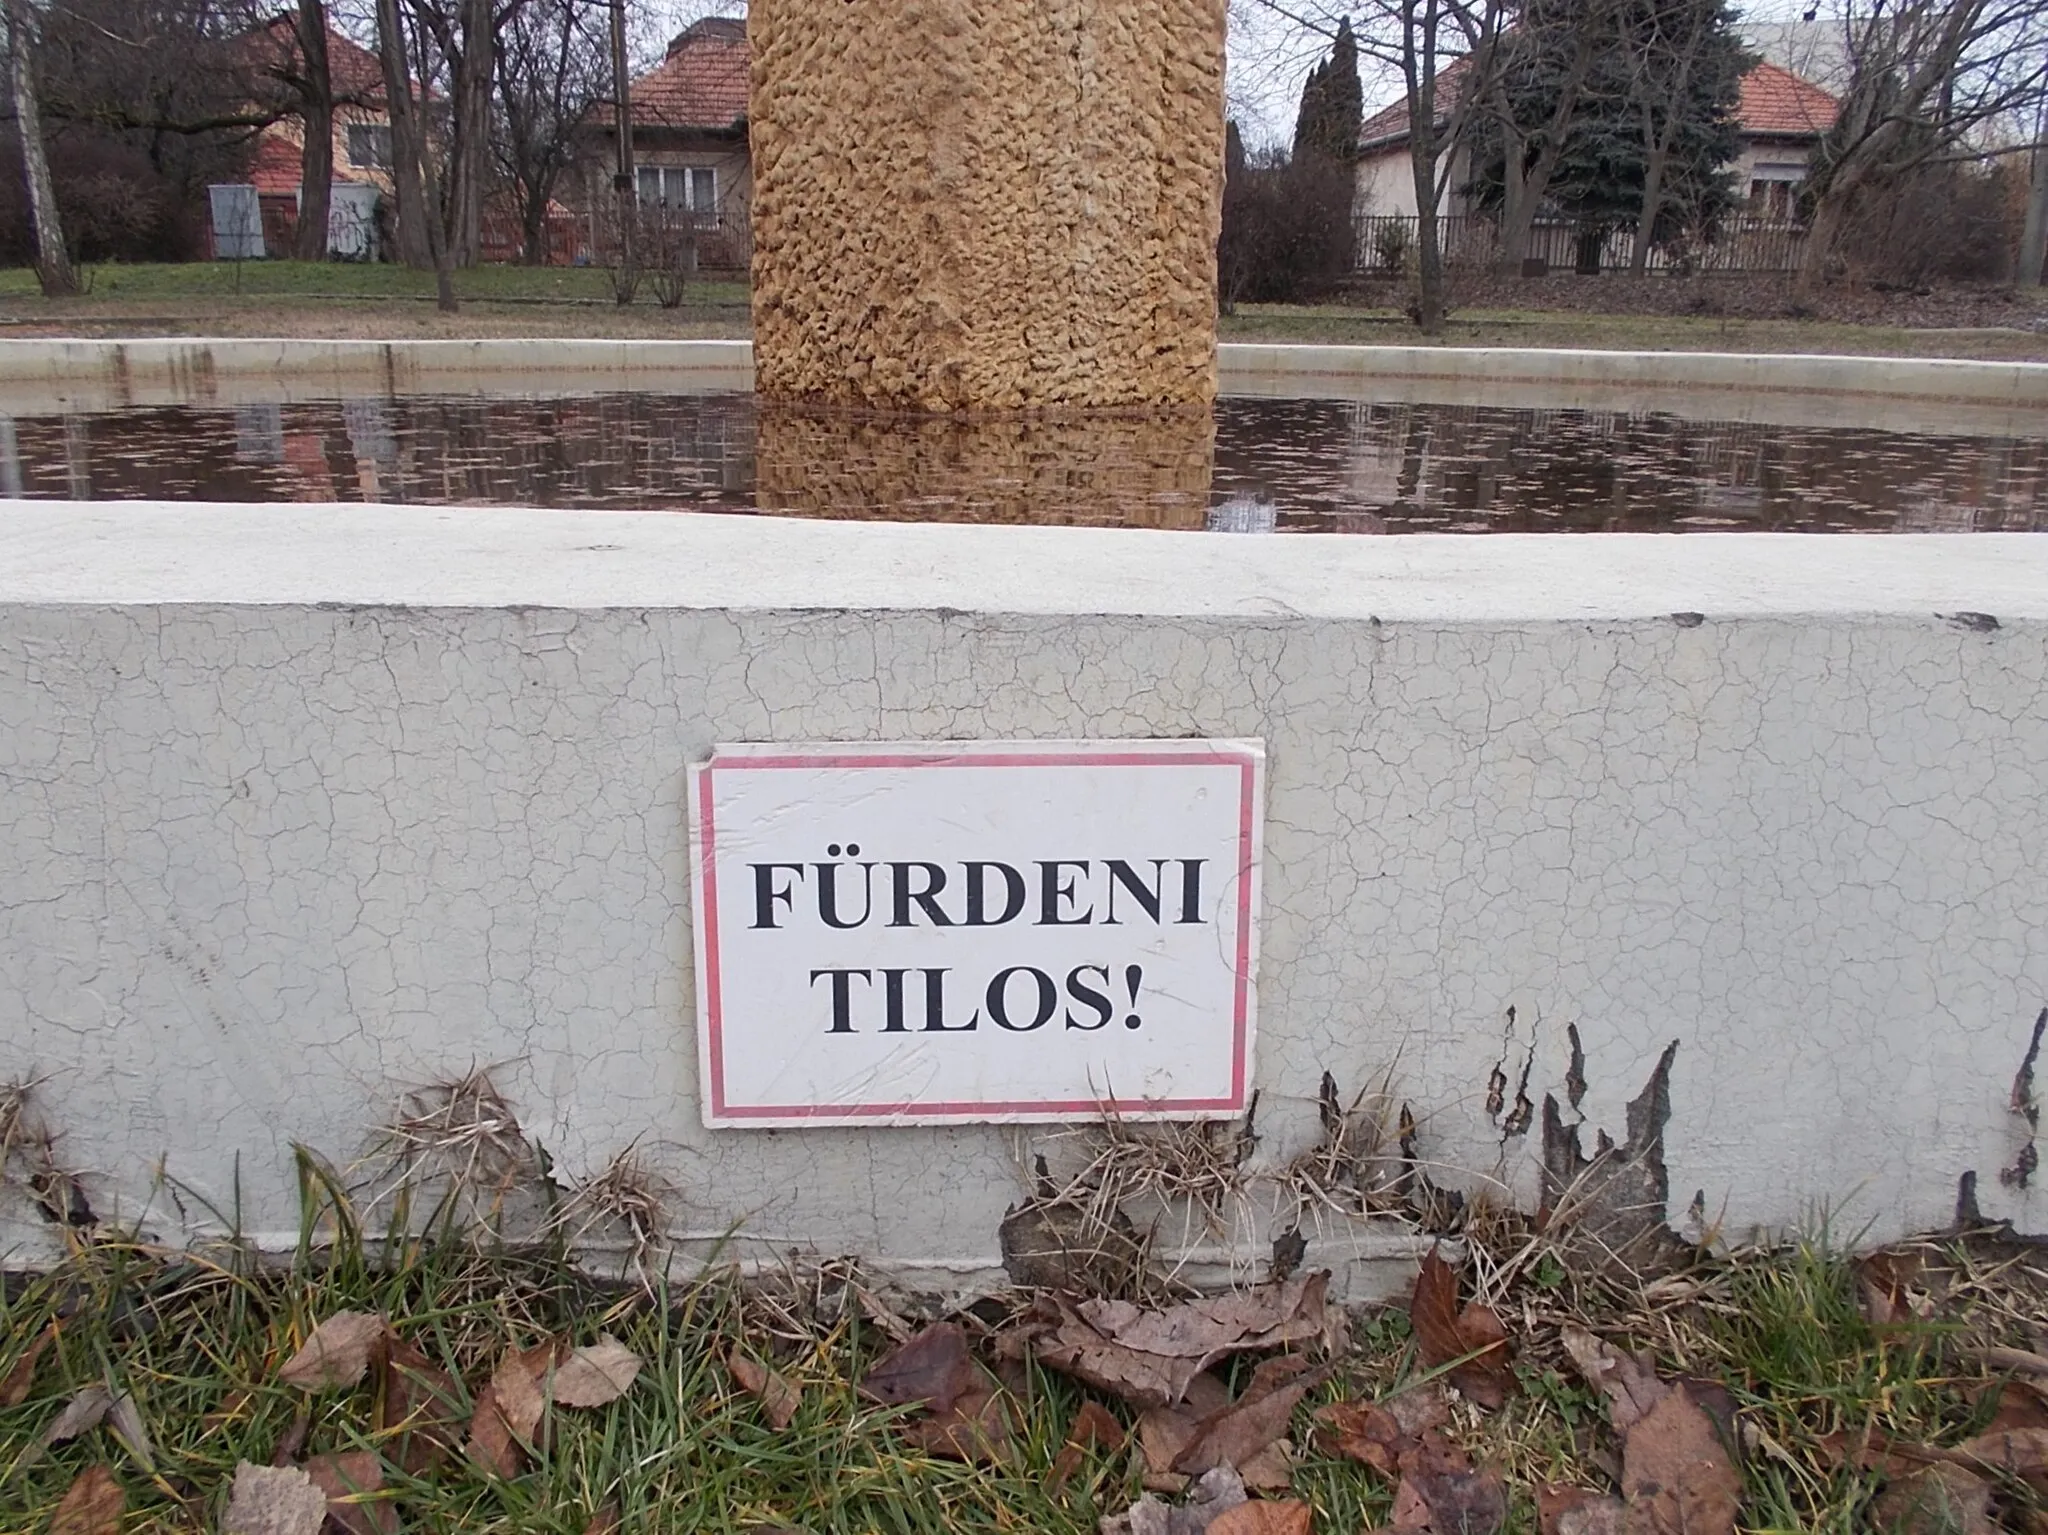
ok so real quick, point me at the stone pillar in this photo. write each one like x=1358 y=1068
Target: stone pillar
x=986 y=204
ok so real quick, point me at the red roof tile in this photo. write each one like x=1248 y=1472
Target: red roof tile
x=1389 y=125
x=356 y=73
x=701 y=84
x=1776 y=101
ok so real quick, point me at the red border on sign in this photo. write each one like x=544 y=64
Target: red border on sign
x=713 y=1006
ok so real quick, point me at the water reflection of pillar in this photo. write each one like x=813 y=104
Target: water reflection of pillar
x=11 y=478
x=1137 y=470
x=77 y=459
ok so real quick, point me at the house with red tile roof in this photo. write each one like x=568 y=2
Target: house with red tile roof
x=362 y=128
x=688 y=118
x=1783 y=119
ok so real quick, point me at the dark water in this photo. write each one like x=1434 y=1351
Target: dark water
x=1290 y=465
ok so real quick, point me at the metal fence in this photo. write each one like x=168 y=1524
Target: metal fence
x=1387 y=243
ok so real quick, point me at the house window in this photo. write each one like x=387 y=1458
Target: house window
x=1774 y=190
x=369 y=146
x=692 y=188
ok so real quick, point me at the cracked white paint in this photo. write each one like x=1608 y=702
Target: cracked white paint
x=267 y=860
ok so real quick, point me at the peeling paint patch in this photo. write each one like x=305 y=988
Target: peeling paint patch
x=1614 y=1202
x=2026 y=1106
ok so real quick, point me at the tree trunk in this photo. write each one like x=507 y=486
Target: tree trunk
x=316 y=114
x=2034 y=233
x=472 y=135
x=1429 y=253
x=408 y=185
x=1821 y=230
x=1646 y=221
x=54 y=271
x=1514 y=228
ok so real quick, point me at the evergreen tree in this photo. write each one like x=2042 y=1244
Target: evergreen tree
x=1664 y=89
x=1332 y=103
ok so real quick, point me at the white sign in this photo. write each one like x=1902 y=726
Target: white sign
x=936 y=932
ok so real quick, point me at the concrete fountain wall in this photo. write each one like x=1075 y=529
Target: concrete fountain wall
x=306 y=804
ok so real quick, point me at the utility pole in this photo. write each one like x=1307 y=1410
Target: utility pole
x=623 y=196
x=2034 y=233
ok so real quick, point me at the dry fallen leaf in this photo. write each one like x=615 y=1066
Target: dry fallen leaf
x=934 y=1368
x=1576 y=1511
x=1473 y=1337
x=338 y=1353
x=595 y=1375
x=1450 y=1502
x=969 y=1416
x=1364 y=1432
x=1936 y=1500
x=82 y=1412
x=1235 y=1434
x=1277 y=1518
x=350 y=1483
x=124 y=1421
x=92 y=1505
x=1094 y=1428
x=605 y=1521
x=1217 y=1493
x=422 y=1406
x=508 y=1410
x=1676 y=1475
x=1630 y=1385
x=1149 y=1358
x=14 y=1385
x=273 y=1500
x=778 y=1398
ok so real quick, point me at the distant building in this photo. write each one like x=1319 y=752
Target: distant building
x=688 y=119
x=1783 y=119
x=362 y=135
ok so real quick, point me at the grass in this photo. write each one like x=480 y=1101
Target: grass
x=197 y=1340
x=351 y=300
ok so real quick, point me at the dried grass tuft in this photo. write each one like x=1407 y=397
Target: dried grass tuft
x=458 y=1141
x=628 y=1196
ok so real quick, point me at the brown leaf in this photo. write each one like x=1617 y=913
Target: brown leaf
x=1419 y=1408
x=338 y=1353
x=273 y=1500
x=595 y=1375
x=1871 y=1451
x=1629 y=1384
x=1263 y=1518
x=14 y=1385
x=1095 y=1428
x=92 y=1505
x=422 y=1406
x=1936 y=1500
x=124 y=1421
x=1675 y=1472
x=1217 y=1493
x=1150 y=1358
x=979 y=1427
x=935 y=1368
x=293 y=1439
x=508 y=1410
x=350 y=1483
x=1576 y=1511
x=1881 y=1279
x=1234 y=1434
x=84 y=1411
x=778 y=1398
x=1474 y=1337
x=605 y=1519
x=1272 y=1469
x=1451 y=1502
x=2021 y=1452
x=1364 y=1432
x=2018 y=1406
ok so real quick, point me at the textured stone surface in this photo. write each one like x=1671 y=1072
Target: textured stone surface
x=962 y=205
x=282 y=836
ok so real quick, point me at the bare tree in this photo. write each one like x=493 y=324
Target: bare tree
x=314 y=84
x=552 y=69
x=1926 y=78
x=1573 y=36
x=411 y=214
x=54 y=271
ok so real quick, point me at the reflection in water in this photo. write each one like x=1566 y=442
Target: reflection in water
x=1140 y=469
x=1294 y=465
